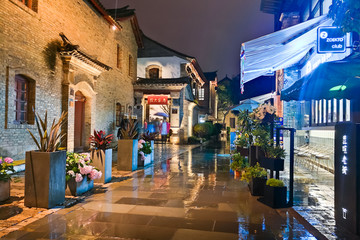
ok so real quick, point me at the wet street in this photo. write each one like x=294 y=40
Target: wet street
x=188 y=196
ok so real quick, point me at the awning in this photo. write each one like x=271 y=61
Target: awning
x=280 y=49
x=339 y=79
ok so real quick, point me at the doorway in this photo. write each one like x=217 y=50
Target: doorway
x=79 y=122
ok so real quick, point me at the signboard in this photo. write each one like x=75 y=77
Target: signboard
x=347 y=176
x=330 y=40
x=158 y=100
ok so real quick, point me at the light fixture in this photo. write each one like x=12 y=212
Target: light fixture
x=113 y=27
x=338 y=88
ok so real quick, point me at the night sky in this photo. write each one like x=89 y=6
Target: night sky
x=210 y=30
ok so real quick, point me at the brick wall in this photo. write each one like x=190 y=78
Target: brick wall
x=27 y=41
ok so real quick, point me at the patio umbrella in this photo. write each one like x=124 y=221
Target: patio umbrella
x=247 y=104
x=161 y=114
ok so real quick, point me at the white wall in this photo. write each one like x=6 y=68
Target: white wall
x=170 y=66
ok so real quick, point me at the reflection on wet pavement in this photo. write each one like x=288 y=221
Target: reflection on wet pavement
x=190 y=196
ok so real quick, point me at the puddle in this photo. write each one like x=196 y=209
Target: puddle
x=9 y=211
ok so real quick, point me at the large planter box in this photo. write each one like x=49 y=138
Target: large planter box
x=275 y=197
x=127 y=156
x=143 y=163
x=255 y=154
x=4 y=190
x=103 y=161
x=273 y=164
x=77 y=188
x=153 y=150
x=257 y=186
x=243 y=151
x=45 y=178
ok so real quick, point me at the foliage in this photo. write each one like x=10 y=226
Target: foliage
x=254 y=172
x=242 y=141
x=128 y=130
x=50 y=53
x=246 y=125
x=78 y=166
x=6 y=165
x=148 y=136
x=272 y=182
x=346 y=14
x=144 y=148
x=193 y=140
x=261 y=135
x=274 y=151
x=204 y=130
x=217 y=128
x=238 y=162
x=100 y=140
x=49 y=142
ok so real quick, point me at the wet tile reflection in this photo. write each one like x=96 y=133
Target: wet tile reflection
x=185 y=196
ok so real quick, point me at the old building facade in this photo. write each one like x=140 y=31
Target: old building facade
x=63 y=56
x=164 y=73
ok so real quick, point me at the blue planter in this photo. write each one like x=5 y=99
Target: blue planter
x=127 y=156
x=153 y=150
x=103 y=161
x=77 y=188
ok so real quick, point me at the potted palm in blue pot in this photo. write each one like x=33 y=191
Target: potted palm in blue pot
x=45 y=167
x=127 y=155
x=101 y=154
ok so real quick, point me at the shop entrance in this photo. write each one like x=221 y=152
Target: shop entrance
x=157 y=109
x=79 y=121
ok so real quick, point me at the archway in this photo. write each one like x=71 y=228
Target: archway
x=79 y=121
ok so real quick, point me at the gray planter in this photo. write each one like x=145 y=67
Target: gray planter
x=103 y=161
x=4 y=190
x=127 y=156
x=77 y=188
x=45 y=178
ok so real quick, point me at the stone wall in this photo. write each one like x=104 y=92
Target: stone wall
x=28 y=46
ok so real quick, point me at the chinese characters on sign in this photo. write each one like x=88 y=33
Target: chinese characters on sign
x=159 y=100
x=344 y=161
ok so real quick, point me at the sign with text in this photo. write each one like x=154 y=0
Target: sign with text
x=158 y=100
x=347 y=176
x=330 y=40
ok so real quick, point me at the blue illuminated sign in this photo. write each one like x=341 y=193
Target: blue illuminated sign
x=330 y=40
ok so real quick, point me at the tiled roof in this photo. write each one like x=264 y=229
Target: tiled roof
x=210 y=76
x=163 y=81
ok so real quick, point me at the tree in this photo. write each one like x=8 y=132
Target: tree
x=346 y=14
x=224 y=99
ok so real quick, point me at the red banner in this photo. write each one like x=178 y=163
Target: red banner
x=158 y=100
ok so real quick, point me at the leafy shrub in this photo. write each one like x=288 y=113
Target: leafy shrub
x=272 y=182
x=254 y=172
x=204 y=130
x=238 y=162
x=217 y=128
x=274 y=152
x=193 y=140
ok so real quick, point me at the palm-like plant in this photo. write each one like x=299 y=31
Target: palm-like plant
x=49 y=140
x=128 y=130
x=100 y=140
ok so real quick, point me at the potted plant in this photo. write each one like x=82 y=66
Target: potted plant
x=275 y=193
x=242 y=144
x=128 y=146
x=238 y=164
x=256 y=177
x=274 y=158
x=6 y=166
x=45 y=168
x=150 y=137
x=145 y=150
x=80 y=175
x=101 y=154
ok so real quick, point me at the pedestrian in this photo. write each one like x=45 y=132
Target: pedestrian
x=164 y=130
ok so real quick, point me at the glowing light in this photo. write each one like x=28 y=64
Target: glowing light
x=338 y=88
x=113 y=27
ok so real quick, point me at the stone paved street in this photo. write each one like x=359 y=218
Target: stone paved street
x=188 y=196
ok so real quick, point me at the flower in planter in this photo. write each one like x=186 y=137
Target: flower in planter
x=254 y=172
x=100 y=140
x=78 y=166
x=144 y=148
x=6 y=166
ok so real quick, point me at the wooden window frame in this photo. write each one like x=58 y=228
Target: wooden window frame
x=157 y=74
x=21 y=87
